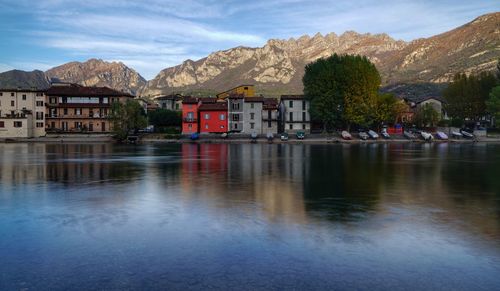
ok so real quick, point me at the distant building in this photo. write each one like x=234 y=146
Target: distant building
x=170 y=102
x=76 y=108
x=189 y=115
x=213 y=117
x=270 y=116
x=294 y=113
x=244 y=90
x=22 y=113
x=252 y=115
x=147 y=105
x=235 y=111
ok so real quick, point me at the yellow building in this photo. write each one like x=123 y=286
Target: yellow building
x=244 y=90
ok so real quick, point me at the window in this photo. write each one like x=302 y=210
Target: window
x=245 y=88
x=236 y=117
x=39 y=103
x=78 y=124
x=12 y=103
x=236 y=126
x=291 y=116
x=190 y=125
x=222 y=127
x=290 y=126
x=222 y=117
x=39 y=124
x=303 y=126
x=236 y=106
x=303 y=116
x=163 y=105
x=252 y=105
x=65 y=111
x=39 y=116
x=53 y=100
x=12 y=94
x=290 y=104
x=78 y=111
x=252 y=125
x=2 y=124
x=252 y=116
x=18 y=124
x=206 y=126
x=177 y=106
x=1 y=94
x=304 y=105
x=24 y=96
x=207 y=116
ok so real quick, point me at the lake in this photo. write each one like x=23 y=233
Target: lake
x=250 y=216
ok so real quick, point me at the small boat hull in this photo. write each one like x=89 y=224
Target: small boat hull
x=346 y=135
x=409 y=135
x=372 y=134
x=441 y=135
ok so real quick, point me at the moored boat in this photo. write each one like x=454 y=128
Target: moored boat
x=363 y=135
x=456 y=134
x=409 y=135
x=426 y=136
x=346 y=135
x=372 y=134
x=441 y=135
x=466 y=134
x=194 y=136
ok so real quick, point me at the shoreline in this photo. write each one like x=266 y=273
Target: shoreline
x=241 y=140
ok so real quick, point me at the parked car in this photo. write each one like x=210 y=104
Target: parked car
x=284 y=136
x=300 y=135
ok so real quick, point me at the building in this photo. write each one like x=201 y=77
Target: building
x=294 y=114
x=245 y=90
x=22 y=113
x=76 y=108
x=170 y=102
x=189 y=115
x=213 y=117
x=235 y=112
x=270 y=116
x=252 y=114
x=147 y=105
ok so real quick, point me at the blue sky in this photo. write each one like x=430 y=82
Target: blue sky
x=152 y=35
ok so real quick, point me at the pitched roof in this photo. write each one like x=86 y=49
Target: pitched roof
x=270 y=103
x=254 y=99
x=207 y=100
x=82 y=91
x=218 y=106
x=169 y=97
x=292 y=97
x=189 y=100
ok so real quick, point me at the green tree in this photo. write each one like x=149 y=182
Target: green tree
x=427 y=116
x=342 y=89
x=126 y=117
x=493 y=104
x=385 y=109
x=466 y=96
x=165 y=118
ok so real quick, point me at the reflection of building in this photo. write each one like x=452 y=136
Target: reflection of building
x=294 y=113
x=22 y=113
x=17 y=166
x=75 y=108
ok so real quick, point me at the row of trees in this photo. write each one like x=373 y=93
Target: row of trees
x=344 y=91
x=473 y=97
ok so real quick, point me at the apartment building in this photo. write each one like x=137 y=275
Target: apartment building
x=270 y=116
x=22 y=113
x=235 y=112
x=252 y=115
x=294 y=113
x=170 y=102
x=76 y=108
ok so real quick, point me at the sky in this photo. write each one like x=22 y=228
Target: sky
x=149 y=36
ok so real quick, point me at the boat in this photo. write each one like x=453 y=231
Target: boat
x=456 y=134
x=385 y=134
x=441 y=135
x=409 y=135
x=194 y=136
x=363 y=135
x=270 y=136
x=466 y=134
x=284 y=136
x=253 y=136
x=224 y=135
x=346 y=135
x=372 y=134
x=300 y=135
x=426 y=136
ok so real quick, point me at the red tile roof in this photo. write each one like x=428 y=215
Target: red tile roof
x=74 y=90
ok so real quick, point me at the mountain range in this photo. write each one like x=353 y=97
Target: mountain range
x=278 y=66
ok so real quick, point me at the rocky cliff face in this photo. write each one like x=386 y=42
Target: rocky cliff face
x=278 y=66
x=96 y=72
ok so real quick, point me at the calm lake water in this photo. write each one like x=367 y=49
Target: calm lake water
x=250 y=216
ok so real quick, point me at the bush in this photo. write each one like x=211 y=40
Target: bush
x=444 y=123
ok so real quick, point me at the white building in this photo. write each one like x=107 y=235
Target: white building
x=252 y=115
x=22 y=113
x=294 y=113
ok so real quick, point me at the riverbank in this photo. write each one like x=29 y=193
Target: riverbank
x=310 y=139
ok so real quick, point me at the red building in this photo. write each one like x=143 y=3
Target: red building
x=213 y=117
x=189 y=115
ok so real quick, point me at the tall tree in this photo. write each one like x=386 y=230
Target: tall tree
x=427 y=116
x=493 y=104
x=386 y=109
x=126 y=117
x=342 y=89
x=466 y=96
